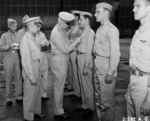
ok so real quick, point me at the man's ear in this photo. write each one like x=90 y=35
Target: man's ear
x=148 y=7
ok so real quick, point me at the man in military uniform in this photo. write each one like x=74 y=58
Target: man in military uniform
x=23 y=30
x=107 y=52
x=138 y=94
x=9 y=44
x=31 y=59
x=85 y=64
x=42 y=41
x=60 y=48
x=74 y=33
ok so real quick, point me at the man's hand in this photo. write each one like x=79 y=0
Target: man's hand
x=145 y=108
x=78 y=40
x=85 y=71
x=109 y=79
x=47 y=43
x=33 y=82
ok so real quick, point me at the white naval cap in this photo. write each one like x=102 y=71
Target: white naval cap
x=32 y=20
x=66 y=17
x=85 y=13
x=75 y=12
x=104 y=5
x=11 y=22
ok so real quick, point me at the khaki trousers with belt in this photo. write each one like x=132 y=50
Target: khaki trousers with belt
x=104 y=93
x=45 y=76
x=32 y=94
x=59 y=66
x=12 y=67
x=137 y=90
x=86 y=83
x=76 y=85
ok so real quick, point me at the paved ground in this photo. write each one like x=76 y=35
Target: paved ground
x=14 y=112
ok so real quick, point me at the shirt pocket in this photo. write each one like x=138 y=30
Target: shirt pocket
x=34 y=53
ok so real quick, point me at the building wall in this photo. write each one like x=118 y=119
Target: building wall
x=48 y=10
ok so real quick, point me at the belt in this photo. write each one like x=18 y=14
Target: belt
x=13 y=51
x=79 y=53
x=38 y=60
x=139 y=73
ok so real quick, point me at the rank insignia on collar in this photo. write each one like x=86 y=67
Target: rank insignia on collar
x=143 y=41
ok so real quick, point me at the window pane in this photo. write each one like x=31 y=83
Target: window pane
x=27 y=10
x=2 y=2
x=57 y=10
x=27 y=2
x=51 y=10
x=39 y=10
x=51 y=2
x=33 y=2
x=14 y=11
x=21 y=11
x=45 y=10
x=33 y=10
x=14 y=2
x=57 y=2
x=8 y=10
x=8 y=2
x=66 y=2
x=3 y=11
x=39 y=2
x=20 y=2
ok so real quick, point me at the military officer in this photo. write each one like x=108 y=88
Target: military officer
x=85 y=64
x=138 y=94
x=107 y=52
x=31 y=59
x=23 y=30
x=9 y=43
x=60 y=48
x=75 y=32
x=41 y=39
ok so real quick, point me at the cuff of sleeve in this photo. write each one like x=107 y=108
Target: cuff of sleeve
x=148 y=96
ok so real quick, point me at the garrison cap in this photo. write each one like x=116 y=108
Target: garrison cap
x=104 y=5
x=75 y=12
x=32 y=20
x=25 y=18
x=66 y=17
x=85 y=13
x=11 y=22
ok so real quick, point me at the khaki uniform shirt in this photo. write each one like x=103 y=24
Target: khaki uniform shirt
x=22 y=32
x=59 y=41
x=30 y=52
x=140 y=49
x=86 y=45
x=7 y=39
x=107 y=45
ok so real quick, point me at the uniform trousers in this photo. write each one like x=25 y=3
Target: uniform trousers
x=12 y=67
x=32 y=94
x=135 y=96
x=76 y=85
x=59 y=66
x=45 y=76
x=104 y=93
x=86 y=83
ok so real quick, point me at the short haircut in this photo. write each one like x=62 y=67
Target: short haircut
x=76 y=14
x=88 y=17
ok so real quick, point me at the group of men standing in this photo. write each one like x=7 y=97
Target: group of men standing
x=94 y=58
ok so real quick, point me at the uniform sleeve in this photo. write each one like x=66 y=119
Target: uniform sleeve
x=89 y=48
x=25 y=59
x=3 y=46
x=114 y=50
x=45 y=39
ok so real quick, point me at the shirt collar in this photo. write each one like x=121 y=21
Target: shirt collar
x=30 y=36
x=9 y=32
x=144 y=27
